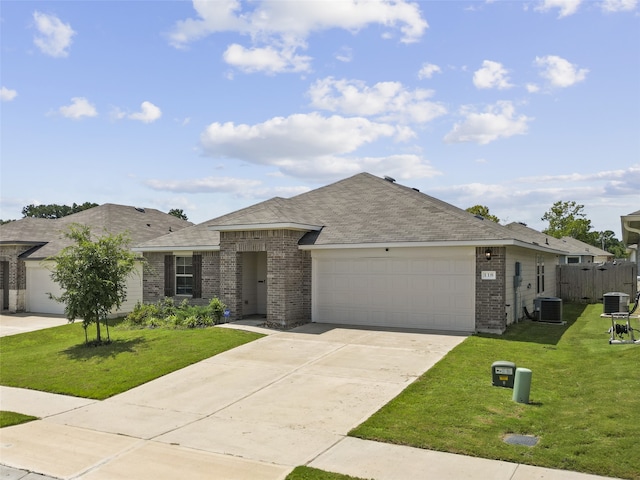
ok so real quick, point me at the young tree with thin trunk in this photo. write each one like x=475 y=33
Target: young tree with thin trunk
x=93 y=275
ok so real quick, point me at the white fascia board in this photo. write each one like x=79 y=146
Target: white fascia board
x=185 y=248
x=462 y=243
x=266 y=226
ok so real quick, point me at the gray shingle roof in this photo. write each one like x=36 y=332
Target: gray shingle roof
x=362 y=209
x=141 y=225
x=568 y=245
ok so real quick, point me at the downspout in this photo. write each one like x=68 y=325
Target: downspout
x=627 y=225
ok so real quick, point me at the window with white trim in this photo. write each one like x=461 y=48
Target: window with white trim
x=184 y=276
x=573 y=259
x=539 y=274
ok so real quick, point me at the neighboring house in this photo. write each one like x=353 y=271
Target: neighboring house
x=25 y=274
x=631 y=235
x=362 y=251
x=574 y=251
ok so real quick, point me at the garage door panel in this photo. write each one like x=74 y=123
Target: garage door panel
x=423 y=291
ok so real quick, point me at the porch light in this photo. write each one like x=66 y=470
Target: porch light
x=487 y=254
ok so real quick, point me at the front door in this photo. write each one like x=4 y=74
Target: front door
x=254 y=283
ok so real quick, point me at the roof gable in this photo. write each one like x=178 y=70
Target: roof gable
x=139 y=223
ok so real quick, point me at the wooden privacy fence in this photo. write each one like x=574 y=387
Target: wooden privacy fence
x=587 y=283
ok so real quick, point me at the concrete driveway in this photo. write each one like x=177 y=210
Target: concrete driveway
x=252 y=412
x=14 y=323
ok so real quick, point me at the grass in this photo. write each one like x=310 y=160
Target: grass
x=56 y=359
x=12 y=418
x=583 y=404
x=308 y=473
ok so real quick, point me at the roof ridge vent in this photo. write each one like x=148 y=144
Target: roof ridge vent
x=139 y=209
x=389 y=179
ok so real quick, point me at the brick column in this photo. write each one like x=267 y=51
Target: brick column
x=231 y=275
x=491 y=294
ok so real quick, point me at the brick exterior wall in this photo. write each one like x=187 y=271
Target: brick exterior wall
x=491 y=294
x=153 y=278
x=288 y=273
x=16 y=282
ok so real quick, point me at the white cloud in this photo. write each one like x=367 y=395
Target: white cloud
x=148 y=113
x=566 y=7
x=80 y=107
x=605 y=194
x=345 y=55
x=497 y=121
x=611 y=6
x=560 y=72
x=428 y=70
x=532 y=88
x=207 y=184
x=491 y=75
x=54 y=37
x=6 y=95
x=237 y=187
x=309 y=145
x=267 y=59
x=389 y=101
x=278 y=29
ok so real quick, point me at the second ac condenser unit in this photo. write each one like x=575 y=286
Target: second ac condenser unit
x=549 y=309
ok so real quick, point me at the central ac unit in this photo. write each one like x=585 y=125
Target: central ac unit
x=615 y=302
x=549 y=309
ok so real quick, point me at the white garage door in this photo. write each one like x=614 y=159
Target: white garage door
x=39 y=284
x=429 y=288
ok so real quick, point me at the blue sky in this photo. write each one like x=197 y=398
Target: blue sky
x=211 y=106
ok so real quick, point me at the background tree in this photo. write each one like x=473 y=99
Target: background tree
x=93 y=275
x=54 y=211
x=566 y=219
x=483 y=211
x=608 y=241
x=178 y=212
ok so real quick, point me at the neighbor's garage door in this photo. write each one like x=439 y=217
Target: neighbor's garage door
x=39 y=284
x=429 y=288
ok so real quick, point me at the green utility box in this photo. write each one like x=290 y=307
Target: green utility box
x=503 y=373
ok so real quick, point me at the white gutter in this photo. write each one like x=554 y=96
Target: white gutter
x=266 y=226
x=461 y=243
x=182 y=248
x=628 y=227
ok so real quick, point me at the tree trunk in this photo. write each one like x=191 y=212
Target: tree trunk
x=98 y=339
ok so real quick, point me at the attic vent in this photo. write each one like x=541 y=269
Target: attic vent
x=139 y=209
x=390 y=179
x=479 y=217
x=415 y=189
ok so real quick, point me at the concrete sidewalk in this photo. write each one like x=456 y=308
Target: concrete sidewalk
x=254 y=412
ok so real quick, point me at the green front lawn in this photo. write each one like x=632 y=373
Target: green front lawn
x=12 y=418
x=56 y=360
x=308 y=473
x=584 y=404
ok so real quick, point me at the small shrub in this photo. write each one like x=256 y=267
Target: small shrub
x=217 y=309
x=191 y=321
x=165 y=313
x=141 y=313
x=154 y=322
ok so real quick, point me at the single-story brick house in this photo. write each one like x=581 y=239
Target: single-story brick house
x=25 y=274
x=363 y=251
